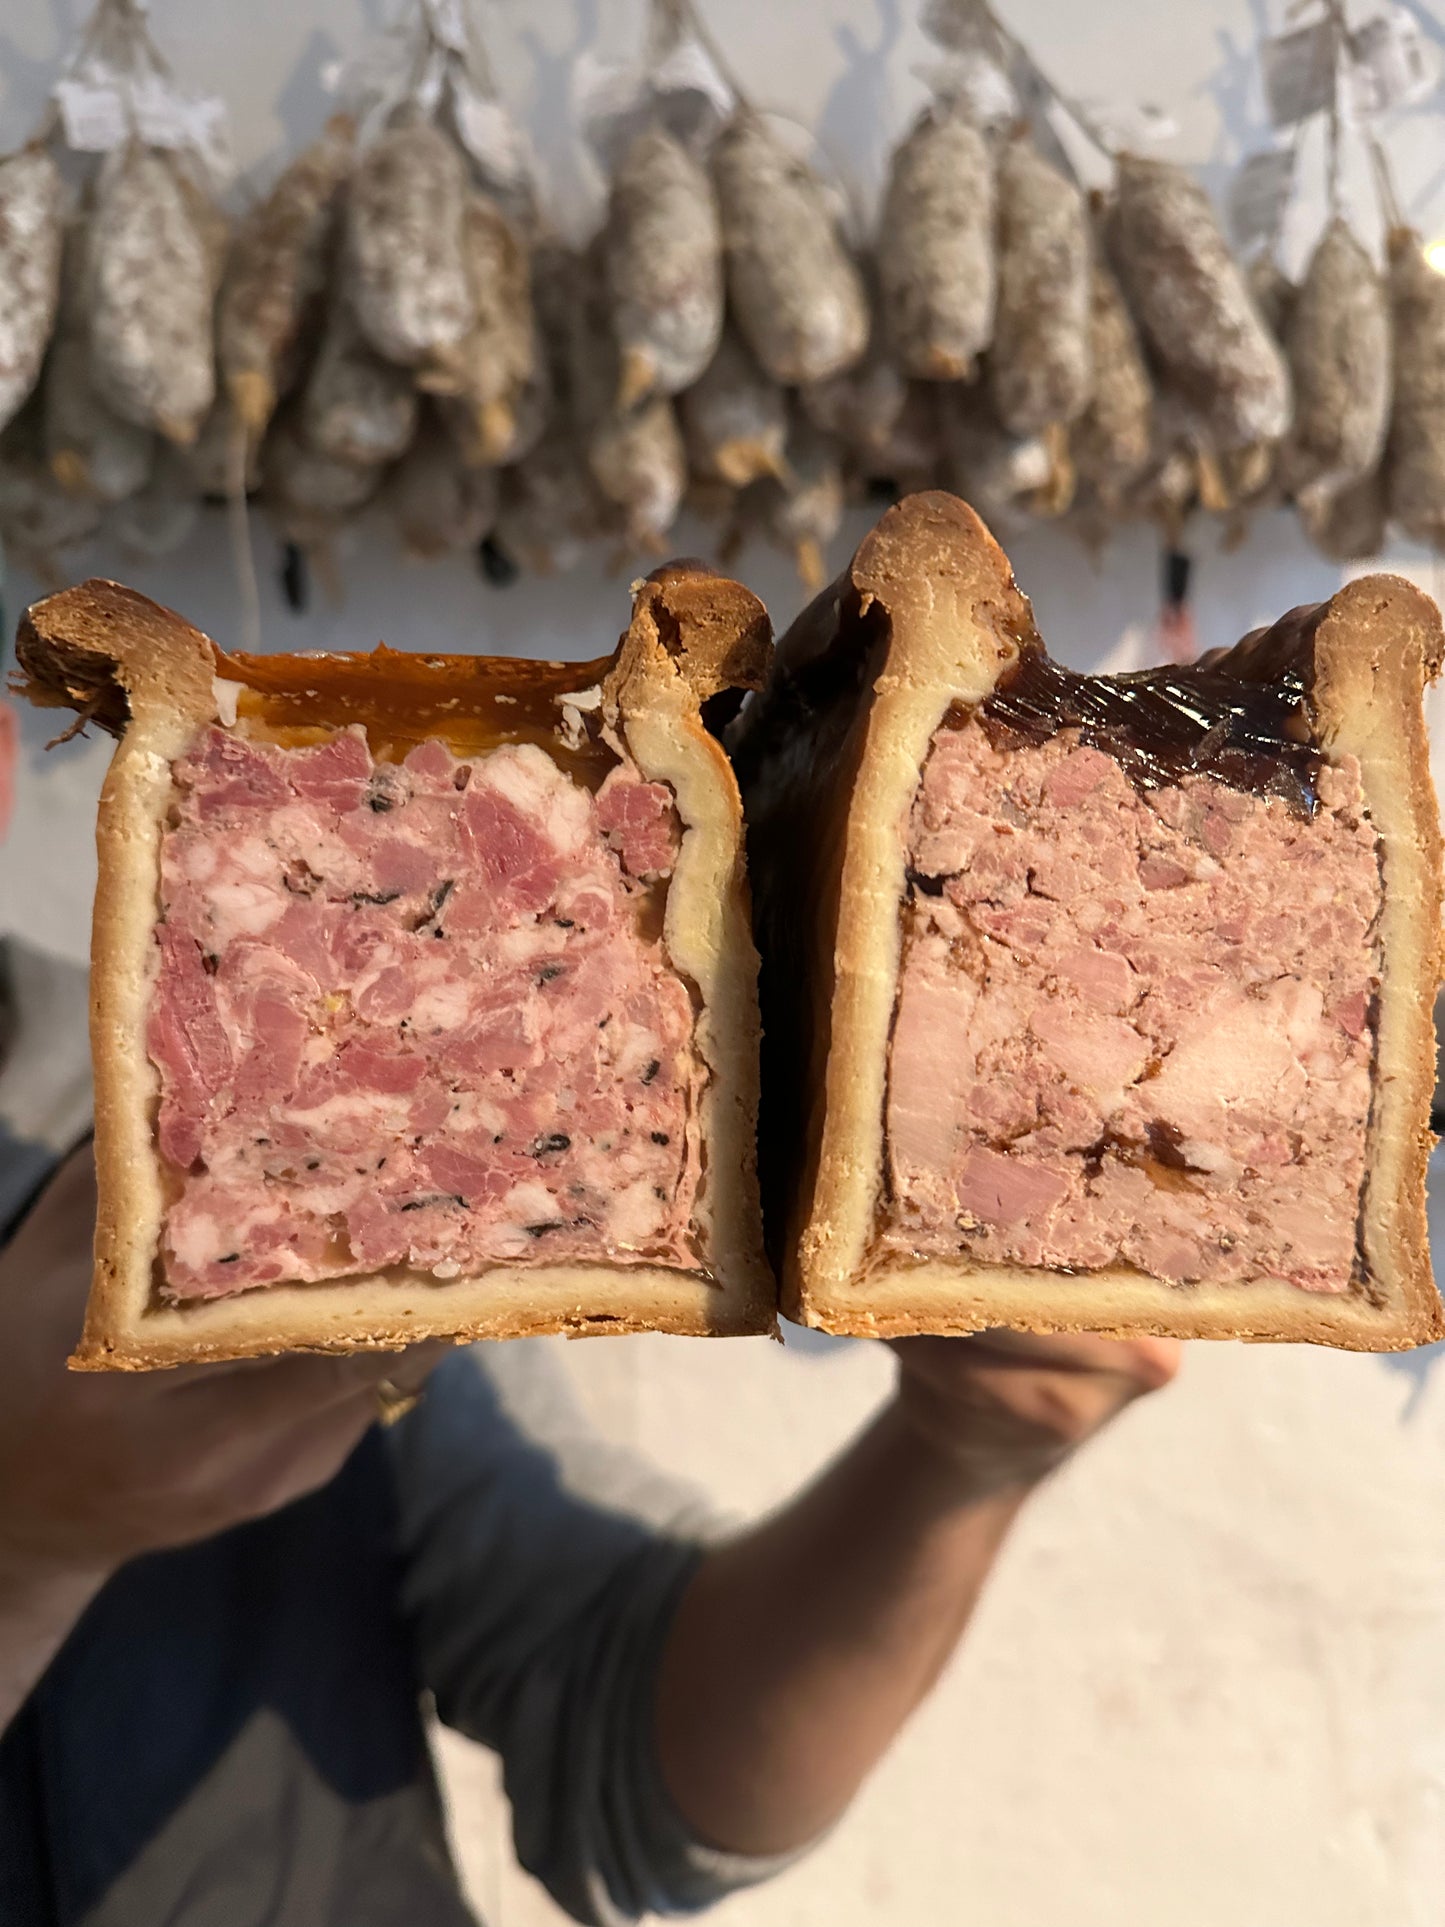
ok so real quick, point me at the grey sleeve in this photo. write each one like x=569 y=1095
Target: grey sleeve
x=542 y=1568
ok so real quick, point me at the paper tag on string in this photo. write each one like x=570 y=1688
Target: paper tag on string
x=209 y=137
x=490 y=136
x=689 y=69
x=98 y=116
x=976 y=68
x=92 y=115
x=373 y=81
x=368 y=75
x=1131 y=128
x=976 y=83
x=429 y=88
x=160 y=113
x=1259 y=195
x=1391 y=64
x=164 y=118
x=1299 y=72
x=613 y=101
x=687 y=95
x=606 y=101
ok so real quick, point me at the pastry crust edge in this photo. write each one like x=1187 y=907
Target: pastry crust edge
x=955 y=620
x=146 y=673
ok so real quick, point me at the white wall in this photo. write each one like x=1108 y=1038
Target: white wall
x=1209 y=1682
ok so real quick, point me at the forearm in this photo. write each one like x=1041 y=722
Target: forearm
x=37 y=1610
x=800 y=1648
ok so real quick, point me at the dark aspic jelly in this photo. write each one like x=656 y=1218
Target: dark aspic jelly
x=1240 y=716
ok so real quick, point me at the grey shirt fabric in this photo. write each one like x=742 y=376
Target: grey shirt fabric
x=538 y=1566
x=45 y=1101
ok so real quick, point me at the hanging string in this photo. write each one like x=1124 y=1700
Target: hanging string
x=1332 y=146
x=118 y=35
x=238 y=528
x=424 y=51
x=666 y=26
x=1338 y=43
x=689 y=17
x=1019 y=55
x=478 y=62
x=1390 y=207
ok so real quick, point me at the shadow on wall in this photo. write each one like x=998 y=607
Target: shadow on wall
x=1234 y=87
x=854 y=128
x=807 y=1343
x=302 y=103
x=1417 y=1367
x=28 y=78
x=572 y=182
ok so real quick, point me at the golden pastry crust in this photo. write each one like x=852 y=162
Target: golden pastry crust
x=149 y=677
x=928 y=615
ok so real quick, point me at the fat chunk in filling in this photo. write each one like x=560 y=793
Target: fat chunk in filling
x=416 y=1015
x=1133 y=1027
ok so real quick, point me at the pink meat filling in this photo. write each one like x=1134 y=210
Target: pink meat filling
x=416 y=1015
x=1132 y=1028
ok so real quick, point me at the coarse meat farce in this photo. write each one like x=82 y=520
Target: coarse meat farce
x=1094 y=1003
x=424 y=994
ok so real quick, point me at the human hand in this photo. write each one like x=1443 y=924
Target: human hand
x=1001 y=1409
x=96 y=1468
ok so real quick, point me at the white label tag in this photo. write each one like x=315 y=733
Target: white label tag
x=428 y=90
x=1133 y=127
x=373 y=74
x=612 y=101
x=601 y=87
x=1259 y=195
x=1391 y=63
x=163 y=118
x=160 y=113
x=209 y=136
x=606 y=102
x=490 y=136
x=690 y=69
x=92 y=114
x=1299 y=72
x=976 y=83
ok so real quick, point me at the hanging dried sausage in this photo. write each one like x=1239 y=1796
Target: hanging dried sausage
x=405 y=255
x=275 y=273
x=662 y=257
x=1193 y=307
x=495 y=389
x=90 y=450
x=1415 y=455
x=936 y=247
x=1039 y=369
x=1338 y=343
x=1112 y=440
x=31 y=231
x=795 y=291
x=439 y=504
x=735 y=418
x=150 y=274
x=355 y=406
